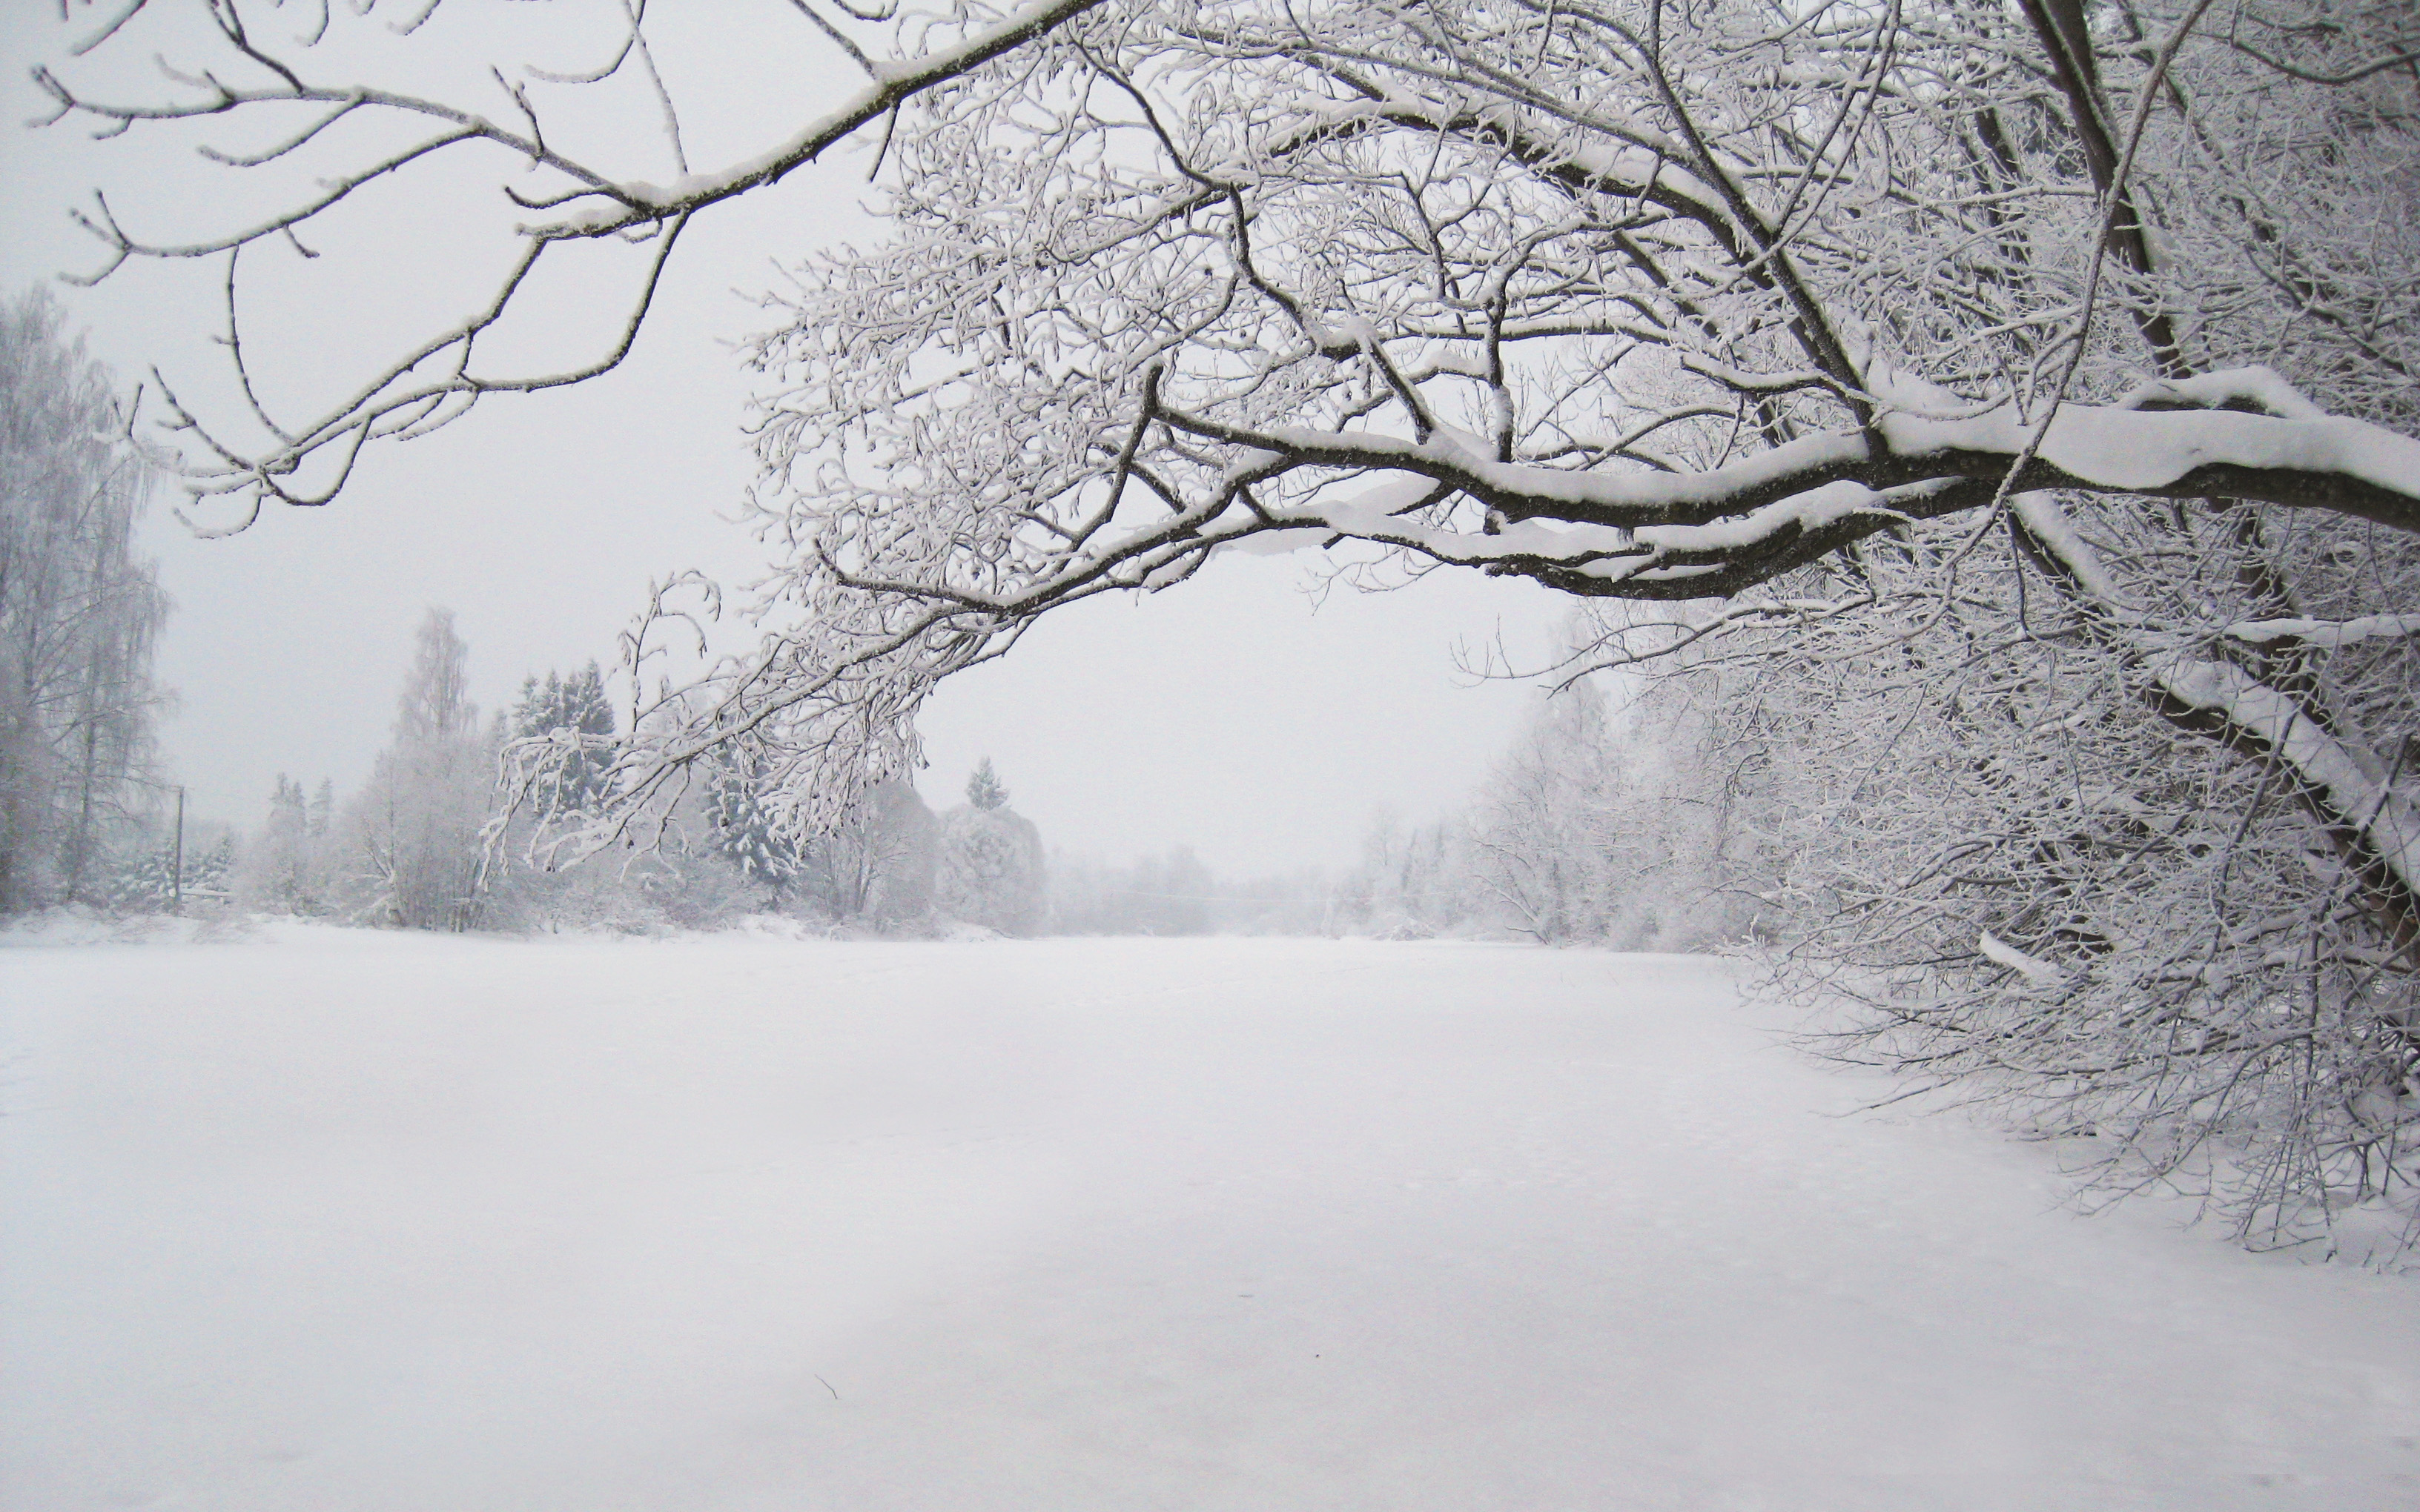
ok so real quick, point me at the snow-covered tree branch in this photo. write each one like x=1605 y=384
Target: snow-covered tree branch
x=1485 y=288
x=304 y=110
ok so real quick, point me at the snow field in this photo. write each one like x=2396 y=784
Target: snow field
x=334 y=1220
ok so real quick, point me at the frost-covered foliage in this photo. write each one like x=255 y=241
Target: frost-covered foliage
x=80 y=613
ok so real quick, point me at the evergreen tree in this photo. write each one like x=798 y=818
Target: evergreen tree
x=573 y=708
x=744 y=833
x=984 y=790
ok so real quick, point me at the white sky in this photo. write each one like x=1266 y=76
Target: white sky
x=1225 y=715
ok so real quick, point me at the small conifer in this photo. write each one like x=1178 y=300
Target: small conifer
x=984 y=790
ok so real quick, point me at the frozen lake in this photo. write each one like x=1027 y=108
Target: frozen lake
x=334 y=1222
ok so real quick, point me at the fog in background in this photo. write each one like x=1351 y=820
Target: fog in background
x=1232 y=715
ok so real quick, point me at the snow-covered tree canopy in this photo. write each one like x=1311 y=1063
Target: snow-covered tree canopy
x=1643 y=301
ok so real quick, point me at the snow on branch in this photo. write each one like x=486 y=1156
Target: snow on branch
x=2326 y=633
x=2032 y=967
x=1803 y=485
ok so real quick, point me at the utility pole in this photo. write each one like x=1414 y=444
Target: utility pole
x=176 y=865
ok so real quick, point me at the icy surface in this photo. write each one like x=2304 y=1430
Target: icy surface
x=319 y=1219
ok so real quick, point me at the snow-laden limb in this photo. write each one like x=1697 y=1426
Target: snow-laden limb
x=2380 y=821
x=2315 y=460
x=2032 y=967
x=895 y=82
x=2327 y=633
x=2256 y=387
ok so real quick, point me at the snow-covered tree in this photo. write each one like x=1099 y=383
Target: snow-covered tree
x=285 y=867
x=2016 y=847
x=152 y=873
x=742 y=832
x=1414 y=882
x=576 y=712
x=1548 y=828
x=876 y=865
x=80 y=613
x=1638 y=302
x=413 y=836
x=991 y=869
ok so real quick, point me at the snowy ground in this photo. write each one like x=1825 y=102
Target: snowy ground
x=331 y=1221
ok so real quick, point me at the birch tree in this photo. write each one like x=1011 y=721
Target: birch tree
x=80 y=613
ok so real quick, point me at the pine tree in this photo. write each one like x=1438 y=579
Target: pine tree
x=984 y=790
x=744 y=833
x=285 y=867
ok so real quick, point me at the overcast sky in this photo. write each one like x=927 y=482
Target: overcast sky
x=1227 y=714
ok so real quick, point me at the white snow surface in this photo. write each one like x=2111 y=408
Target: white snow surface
x=324 y=1219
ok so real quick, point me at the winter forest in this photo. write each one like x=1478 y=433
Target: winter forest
x=1974 y=450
